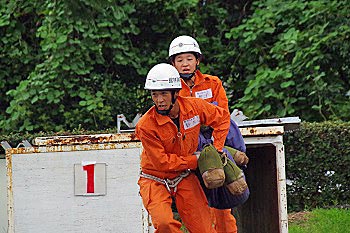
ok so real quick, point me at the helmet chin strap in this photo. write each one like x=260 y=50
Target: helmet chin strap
x=166 y=112
x=187 y=76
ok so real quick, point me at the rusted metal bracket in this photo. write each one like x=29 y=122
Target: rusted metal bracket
x=131 y=125
x=24 y=143
x=5 y=145
x=238 y=116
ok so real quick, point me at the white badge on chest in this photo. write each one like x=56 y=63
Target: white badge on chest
x=192 y=122
x=205 y=94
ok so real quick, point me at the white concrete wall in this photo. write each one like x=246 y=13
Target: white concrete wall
x=44 y=200
x=3 y=196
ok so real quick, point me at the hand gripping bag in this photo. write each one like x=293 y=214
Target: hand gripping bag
x=234 y=179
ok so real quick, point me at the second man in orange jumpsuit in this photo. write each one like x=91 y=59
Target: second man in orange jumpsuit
x=184 y=55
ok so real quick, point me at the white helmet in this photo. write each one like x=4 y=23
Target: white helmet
x=163 y=77
x=183 y=44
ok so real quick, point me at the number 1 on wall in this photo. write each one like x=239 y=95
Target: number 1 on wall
x=90 y=178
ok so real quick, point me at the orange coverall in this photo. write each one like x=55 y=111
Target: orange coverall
x=206 y=87
x=168 y=151
x=210 y=88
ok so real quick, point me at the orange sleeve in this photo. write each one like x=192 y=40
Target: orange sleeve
x=218 y=118
x=156 y=155
x=220 y=96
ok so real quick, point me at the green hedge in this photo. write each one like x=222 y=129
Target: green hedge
x=317 y=165
x=317 y=162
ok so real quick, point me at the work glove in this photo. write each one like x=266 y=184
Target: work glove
x=239 y=157
x=234 y=178
x=211 y=167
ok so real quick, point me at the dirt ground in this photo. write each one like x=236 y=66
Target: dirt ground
x=298 y=217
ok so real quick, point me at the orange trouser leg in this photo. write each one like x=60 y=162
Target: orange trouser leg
x=190 y=201
x=192 y=206
x=212 y=216
x=224 y=221
x=157 y=201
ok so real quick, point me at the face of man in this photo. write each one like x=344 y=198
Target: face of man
x=186 y=63
x=162 y=99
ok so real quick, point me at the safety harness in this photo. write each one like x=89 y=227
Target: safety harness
x=170 y=184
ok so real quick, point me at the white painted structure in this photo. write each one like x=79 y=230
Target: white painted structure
x=3 y=196
x=42 y=189
x=46 y=186
x=277 y=142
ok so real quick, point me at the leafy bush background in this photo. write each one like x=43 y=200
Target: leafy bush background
x=70 y=63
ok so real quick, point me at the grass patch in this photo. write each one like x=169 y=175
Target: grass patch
x=321 y=221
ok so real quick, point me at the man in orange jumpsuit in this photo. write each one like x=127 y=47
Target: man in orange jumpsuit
x=169 y=134
x=184 y=55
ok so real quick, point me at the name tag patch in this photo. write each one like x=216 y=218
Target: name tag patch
x=205 y=94
x=192 y=122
